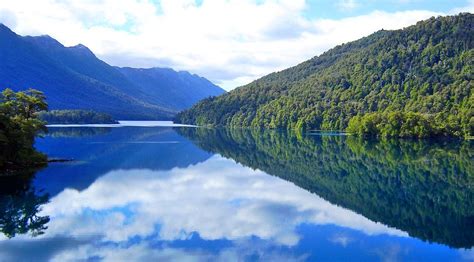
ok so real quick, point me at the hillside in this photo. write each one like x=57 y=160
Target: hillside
x=164 y=86
x=426 y=68
x=74 y=78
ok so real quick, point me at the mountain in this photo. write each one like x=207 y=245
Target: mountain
x=426 y=68
x=74 y=78
x=183 y=89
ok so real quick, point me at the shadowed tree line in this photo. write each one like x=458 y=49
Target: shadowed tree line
x=76 y=117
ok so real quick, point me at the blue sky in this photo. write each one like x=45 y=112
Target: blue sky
x=340 y=9
x=230 y=42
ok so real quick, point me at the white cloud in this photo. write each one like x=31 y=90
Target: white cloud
x=143 y=252
x=342 y=240
x=347 y=5
x=140 y=252
x=228 y=41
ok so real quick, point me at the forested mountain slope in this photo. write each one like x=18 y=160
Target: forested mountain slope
x=74 y=78
x=426 y=68
x=165 y=86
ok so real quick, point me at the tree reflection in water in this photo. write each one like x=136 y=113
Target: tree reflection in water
x=423 y=187
x=20 y=205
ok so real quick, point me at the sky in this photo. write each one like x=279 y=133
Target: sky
x=230 y=42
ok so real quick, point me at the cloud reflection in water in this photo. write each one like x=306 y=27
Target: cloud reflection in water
x=217 y=200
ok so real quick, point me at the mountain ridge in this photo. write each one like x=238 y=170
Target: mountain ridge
x=74 y=78
x=181 y=96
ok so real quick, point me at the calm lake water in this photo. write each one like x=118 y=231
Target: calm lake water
x=184 y=193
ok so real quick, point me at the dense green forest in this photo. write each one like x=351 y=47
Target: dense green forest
x=426 y=69
x=409 y=124
x=423 y=187
x=76 y=117
x=19 y=124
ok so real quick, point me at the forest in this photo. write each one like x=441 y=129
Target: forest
x=413 y=75
x=75 y=117
x=408 y=124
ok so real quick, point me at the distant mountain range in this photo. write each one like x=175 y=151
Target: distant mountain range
x=74 y=78
x=424 y=71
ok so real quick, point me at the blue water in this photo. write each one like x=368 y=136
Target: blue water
x=166 y=193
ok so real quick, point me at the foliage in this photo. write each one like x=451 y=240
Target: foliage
x=424 y=187
x=426 y=68
x=76 y=117
x=19 y=125
x=409 y=124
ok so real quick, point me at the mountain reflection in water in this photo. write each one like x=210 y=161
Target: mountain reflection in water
x=217 y=194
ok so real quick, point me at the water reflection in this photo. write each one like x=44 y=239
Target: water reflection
x=425 y=188
x=209 y=210
x=151 y=194
x=69 y=132
x=20 y=205
x=98 y=150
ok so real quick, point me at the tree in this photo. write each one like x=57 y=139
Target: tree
x=19 y=125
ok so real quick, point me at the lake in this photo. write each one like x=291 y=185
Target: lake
x=162 y=192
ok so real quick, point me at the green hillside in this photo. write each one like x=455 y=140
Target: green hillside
x=423 y=73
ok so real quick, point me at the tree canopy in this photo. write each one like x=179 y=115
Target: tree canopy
x=76 y=117
x=410 y=124
x=19 y=124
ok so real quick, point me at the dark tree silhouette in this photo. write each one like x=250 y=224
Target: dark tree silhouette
x=20 y=205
